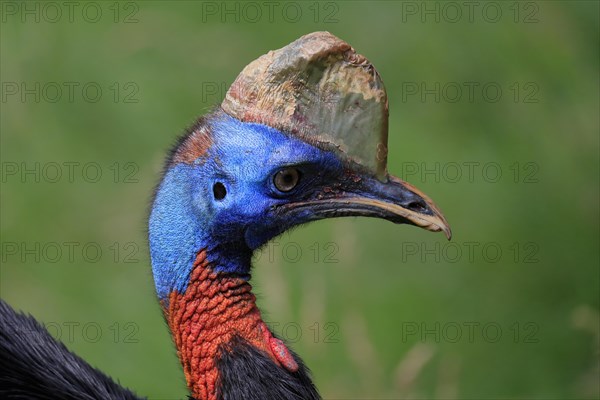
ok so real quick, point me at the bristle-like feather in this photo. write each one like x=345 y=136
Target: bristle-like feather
x=248 y=373
x=34 y=365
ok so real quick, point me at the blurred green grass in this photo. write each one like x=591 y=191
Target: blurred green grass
x=176 y=55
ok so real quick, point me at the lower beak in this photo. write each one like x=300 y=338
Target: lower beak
x=395 y=200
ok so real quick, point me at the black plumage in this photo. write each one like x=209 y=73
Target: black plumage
x=34 y=365
x=248 y=373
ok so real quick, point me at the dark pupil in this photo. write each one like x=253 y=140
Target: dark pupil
x=286 y=180
x=219 y=191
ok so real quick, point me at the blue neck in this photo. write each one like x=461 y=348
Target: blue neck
x=178 y=232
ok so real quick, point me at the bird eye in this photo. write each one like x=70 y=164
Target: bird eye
x=286 y=179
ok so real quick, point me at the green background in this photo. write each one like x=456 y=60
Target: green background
x=380 y=310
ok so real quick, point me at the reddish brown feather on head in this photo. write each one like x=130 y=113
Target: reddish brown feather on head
x=193 y=146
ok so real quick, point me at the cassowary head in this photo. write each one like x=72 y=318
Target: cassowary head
x=300 y=136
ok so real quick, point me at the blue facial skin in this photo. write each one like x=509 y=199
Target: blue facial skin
x=186 y=217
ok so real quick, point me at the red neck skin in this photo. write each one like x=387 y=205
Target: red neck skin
x=214 y=309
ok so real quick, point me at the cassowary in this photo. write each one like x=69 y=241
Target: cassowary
x=300 y=136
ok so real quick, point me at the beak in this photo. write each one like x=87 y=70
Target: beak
x=394 y=200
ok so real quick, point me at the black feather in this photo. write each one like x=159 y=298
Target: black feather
x=34 y=365
x=248 y=373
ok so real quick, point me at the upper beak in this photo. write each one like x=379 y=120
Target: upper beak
x=393 y=200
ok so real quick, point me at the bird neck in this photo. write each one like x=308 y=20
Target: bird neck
x=180 y=227
x=216 y=311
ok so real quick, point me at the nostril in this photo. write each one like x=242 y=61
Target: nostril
x=417 y=206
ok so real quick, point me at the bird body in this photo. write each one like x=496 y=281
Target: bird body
x=300 y=136
x=34 y=365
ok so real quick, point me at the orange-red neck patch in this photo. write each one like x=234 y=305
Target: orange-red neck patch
x=214 y=309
